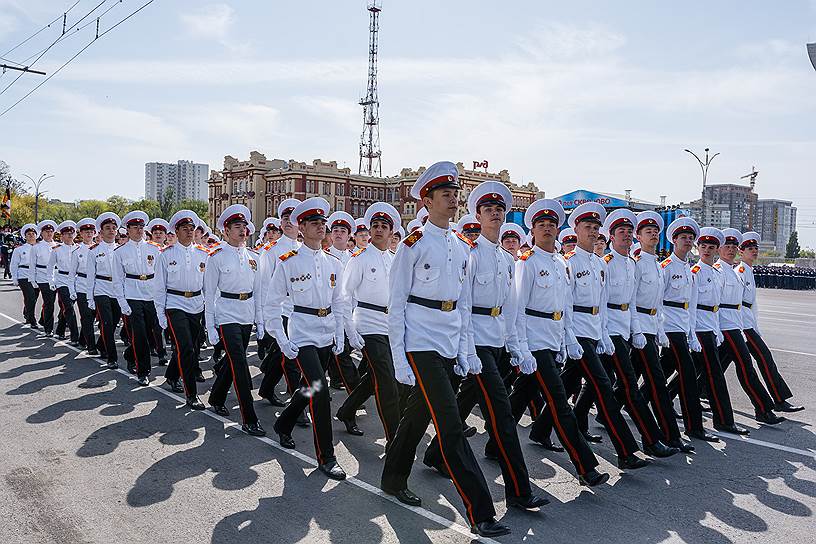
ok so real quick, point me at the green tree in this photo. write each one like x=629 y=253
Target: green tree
x=807 y=253
x=792 y=250
x=7 y=180
x=166 y=202
x=200 y=207
x=90 y=208
x=150 y=207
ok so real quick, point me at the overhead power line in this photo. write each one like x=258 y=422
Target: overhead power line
x=60 y=16
x=58 y=70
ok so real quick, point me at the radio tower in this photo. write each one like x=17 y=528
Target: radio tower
x=370 y=140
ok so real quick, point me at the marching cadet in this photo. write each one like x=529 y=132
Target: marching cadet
x=361 y=235
x=427 y=327
x=469 y=226
x=733 y=347
x=589 y=336
x=648 y=330
x=78 y=284
x=511 y=236
x=271 y=230
x=603 y=239
x=778 y=388
x=180 y=303
x=491 y=335
x=621 y=296
x=22 y=272
x=365 y=289
x=543 y=294
x=343 y=374
x=567 y=239
x=43 y=275
x=340 y=227
x=60 y=263
x=706 y=294
x=158 y=228
x=270 y=233
x=310 y=277
x=679 y=326
x=102 y=293
x=133 y=278
x=231 y=280
x=275 y=364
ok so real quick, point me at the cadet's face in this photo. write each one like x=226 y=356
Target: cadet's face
x=30 y=236
x=443 y=201
x=380 y=232
x=86 y=235
x=587 y=232
x=649 y=236
x=67 y=236
x=545 y=229
x=728 y=252
x=314 y=229
x=683 y=242
x=135 y=232
x=236 y=233
x=511 y=244
x=185 y=234
x=707 y=250
x=622 y=237
x=339 y=236
x=567 y=247
x=289 y=228
x=159 y=236
x=47 y=234
x=490 y=216
x=600 y=246
x=395 y=240
x=361 y=238
x=750 y=253
x=472 y=236
x=108 y=231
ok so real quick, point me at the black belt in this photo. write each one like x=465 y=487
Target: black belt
x=707 y=308
x=236 y=296
x=319 y=312
x=41 y=266
x=23 y=266
x=368 y=306
x=647 y=311
x=63 y=272
x=622 y=307
x=555 y=316
x=673 y=304
x=730 y=306
x=142 y=277
x=185 y=294
x=747 y=304
x=444 y=305
x=82 y=274
x=492 y=312
x=106 y=278
x=586 y=309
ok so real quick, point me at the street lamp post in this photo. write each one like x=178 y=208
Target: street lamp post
x=37 y=193
x=704 y=167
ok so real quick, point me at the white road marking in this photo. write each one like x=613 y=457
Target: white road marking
x=764 y=310
x=229 y=424
x=794 y=352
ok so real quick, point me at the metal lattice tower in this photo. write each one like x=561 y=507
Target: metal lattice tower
x=370 y=140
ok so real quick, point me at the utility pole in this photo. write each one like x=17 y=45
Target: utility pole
x=21 y=69
x=704 y=167
x=370 y=140
x=37 y=193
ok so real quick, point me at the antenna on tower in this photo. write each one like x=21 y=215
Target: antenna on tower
x=370 y=140
x=751 y=176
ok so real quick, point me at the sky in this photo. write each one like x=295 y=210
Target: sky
x=595 y=95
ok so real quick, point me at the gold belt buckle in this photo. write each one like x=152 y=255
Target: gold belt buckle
x=322 y=312
x=188 y=294
x=447 y=306
x=685 y=305
x=243 y=296
x=739 y=306
x=594 y=310
x=556 y=316
x=624 y=307
x=495 y=312
x=653 y=311
x=715 y=309
x=143 y=277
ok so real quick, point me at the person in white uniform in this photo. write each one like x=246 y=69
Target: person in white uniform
x=22 y=272
x=102 y=294
x=60 y=263
x=78 y=284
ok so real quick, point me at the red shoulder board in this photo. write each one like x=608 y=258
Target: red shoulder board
x=666 y=262
x=270 y=245
x=526 y=255
x=288 y=254
x=151 y=242
x=215 y=250
x=358 y=252
x=466 y=240
x=717 y=266
x=695 y=268
x=608 y=257
x=741 y=269
x=93 y=246
x=569 y=255
x=412 y=238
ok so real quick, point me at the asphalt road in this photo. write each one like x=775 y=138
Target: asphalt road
x=90 y=457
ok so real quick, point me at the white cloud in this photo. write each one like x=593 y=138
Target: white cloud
x=7 y=25
x=214 y=22
x=565 y=42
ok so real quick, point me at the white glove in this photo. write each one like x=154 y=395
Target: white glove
x=638 y=340
x=52 y=286
x=516 y=357
x=91 y=303
x=259 y=330
x=561 y=356
x=290 y=350
x=16 y=283
x=339 y=342
x=162 y=317
x=528 y=364
x=212 y=336
x=73 y=296
x=694 y=344
x=475 y=364
x=608 y=345
x=575 y=351
x=403 y=373
x=356 y=340
x=663 y=339
x=720 y=338
x=126 y=310
x=461 y=367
